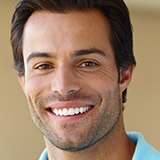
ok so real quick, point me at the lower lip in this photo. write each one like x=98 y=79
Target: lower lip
x=70 y=118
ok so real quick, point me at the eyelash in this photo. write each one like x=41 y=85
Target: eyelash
x=89 y=64
x=43 y=67
x=85 y=64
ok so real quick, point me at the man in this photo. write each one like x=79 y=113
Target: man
x=74 y=61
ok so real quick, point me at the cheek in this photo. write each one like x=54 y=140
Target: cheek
x=34 y=87
x=101 y=81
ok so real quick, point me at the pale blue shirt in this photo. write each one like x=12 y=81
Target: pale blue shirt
x=143 y=150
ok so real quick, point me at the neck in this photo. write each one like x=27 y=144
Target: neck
x=115 y=145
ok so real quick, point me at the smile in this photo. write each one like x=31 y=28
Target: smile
x=71 y=111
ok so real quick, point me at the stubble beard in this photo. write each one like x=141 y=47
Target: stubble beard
x=102 y=126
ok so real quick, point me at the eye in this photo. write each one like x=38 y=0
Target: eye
x=43 y=67
x=89 y=64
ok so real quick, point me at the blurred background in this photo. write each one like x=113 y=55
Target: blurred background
x=19 y=138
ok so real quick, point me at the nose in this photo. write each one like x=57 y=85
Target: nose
x=65 y=81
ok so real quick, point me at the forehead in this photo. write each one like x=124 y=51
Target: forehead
x=87 y=18
x=65 y=31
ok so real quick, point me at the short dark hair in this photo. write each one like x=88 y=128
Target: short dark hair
x=115 y=11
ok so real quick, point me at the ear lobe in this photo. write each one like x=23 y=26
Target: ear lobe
x=21 y=80
x=125 y=77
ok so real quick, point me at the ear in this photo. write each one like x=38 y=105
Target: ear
x=125 y=77
x=21 y=80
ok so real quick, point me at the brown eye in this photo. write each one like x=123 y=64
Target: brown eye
x=43 y=67
x=89 y=64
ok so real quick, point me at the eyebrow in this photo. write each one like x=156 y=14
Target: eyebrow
x=89 y=51
x=39 y=55
x=76 y=53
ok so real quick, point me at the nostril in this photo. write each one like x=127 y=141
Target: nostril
x=66 y=89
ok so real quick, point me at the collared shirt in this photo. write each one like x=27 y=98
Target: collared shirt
x=143 y=150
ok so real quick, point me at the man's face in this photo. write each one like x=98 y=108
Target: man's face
x=71 y=79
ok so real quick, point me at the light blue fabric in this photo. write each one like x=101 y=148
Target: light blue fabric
x=44 y=155
x=143 y=151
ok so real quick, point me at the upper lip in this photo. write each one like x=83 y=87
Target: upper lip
x=68 y=104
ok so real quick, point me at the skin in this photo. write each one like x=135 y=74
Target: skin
x=69 y=63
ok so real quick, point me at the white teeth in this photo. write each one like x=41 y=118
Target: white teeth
x=60 y=112
x=70 y=111
x=81 y=110
x=56 y=111
x=76 y=110
x=65 y=112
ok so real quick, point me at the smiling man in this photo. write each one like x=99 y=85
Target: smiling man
x=74 y=60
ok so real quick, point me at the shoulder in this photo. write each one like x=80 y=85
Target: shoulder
x=143 y=151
